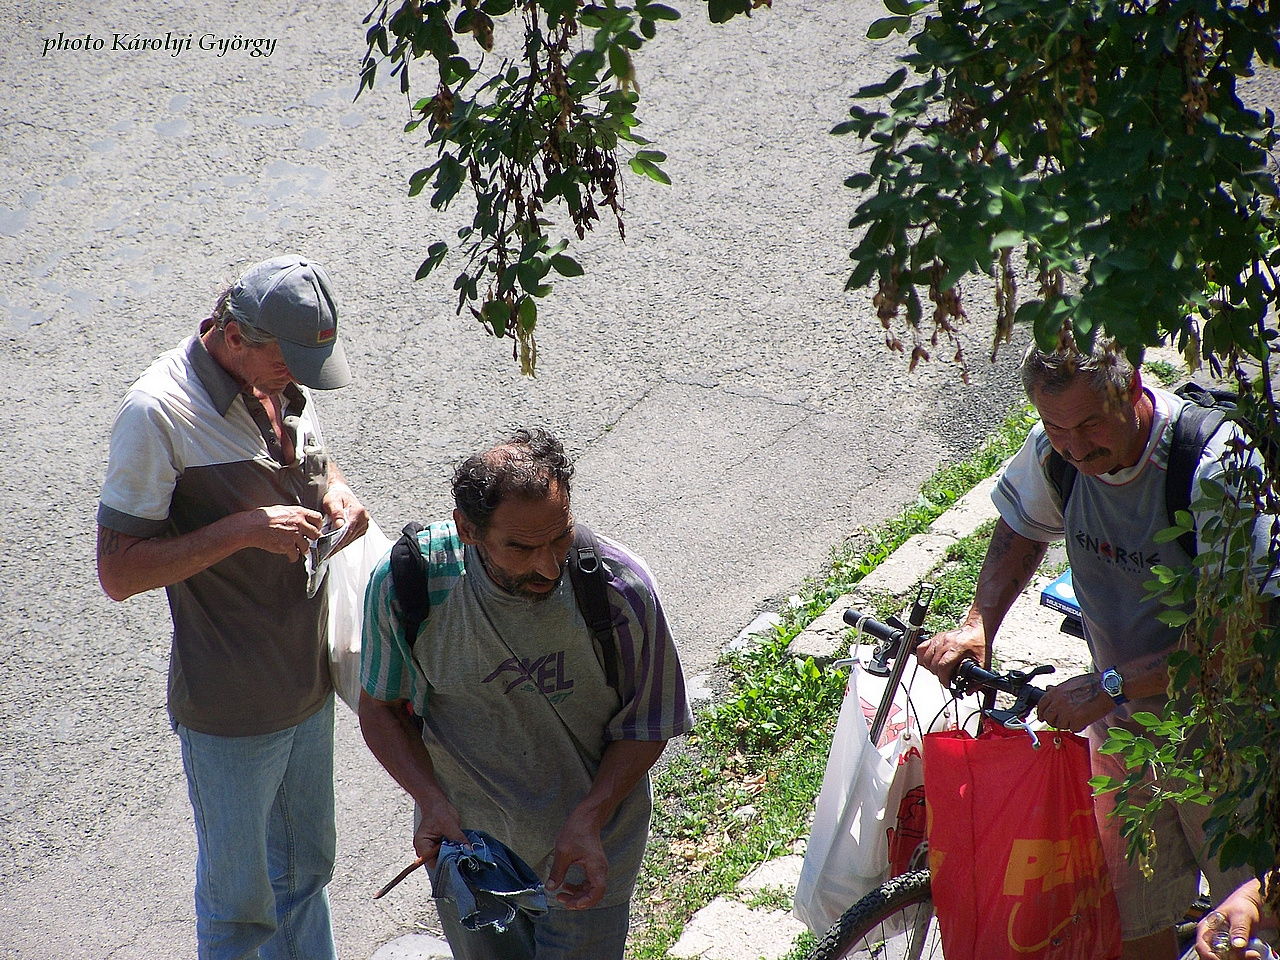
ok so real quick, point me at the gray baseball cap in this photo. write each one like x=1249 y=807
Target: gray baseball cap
x=292 y=299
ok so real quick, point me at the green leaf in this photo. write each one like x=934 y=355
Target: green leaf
x=566 y=266
x=657 y=11
x=722 y=11
x=497 y=314
x=620 y=62
x=528 y=312
x=649 y=169
x=1006 y=238
x=435 y=256
x=861 y=275
x=881 y=28
x=530 y=274
x=1235 y=852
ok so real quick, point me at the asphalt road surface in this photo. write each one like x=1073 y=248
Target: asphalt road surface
x=734 y=413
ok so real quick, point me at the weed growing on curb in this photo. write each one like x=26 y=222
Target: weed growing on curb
x=743 y=790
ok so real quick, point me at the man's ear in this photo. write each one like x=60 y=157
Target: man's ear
x=232 y=336
x=1135 y=386
x=467 y=531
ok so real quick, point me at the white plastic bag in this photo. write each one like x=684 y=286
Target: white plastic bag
x=848 y=852
x=349 y=571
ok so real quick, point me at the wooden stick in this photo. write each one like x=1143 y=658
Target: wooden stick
x=400 y=876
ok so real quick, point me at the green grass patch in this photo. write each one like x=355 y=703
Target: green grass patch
x=1164 y=372
x=742 y=789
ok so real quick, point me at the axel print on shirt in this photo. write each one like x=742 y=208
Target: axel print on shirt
x=545 y=674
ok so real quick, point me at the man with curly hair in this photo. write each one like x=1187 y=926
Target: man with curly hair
x=522 y=734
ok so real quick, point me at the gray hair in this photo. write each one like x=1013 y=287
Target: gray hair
x=223 y=312
x=1106 y=368
x=526 y=465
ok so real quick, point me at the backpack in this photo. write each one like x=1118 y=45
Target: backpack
x=409 y=569
x=1199 y=420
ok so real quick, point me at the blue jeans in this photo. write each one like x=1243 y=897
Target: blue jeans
x=596 y=934
x=266 y=837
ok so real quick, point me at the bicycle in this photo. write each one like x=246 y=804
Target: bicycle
x=896 y=921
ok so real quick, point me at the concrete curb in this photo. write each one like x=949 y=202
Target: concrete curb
x=899 y=574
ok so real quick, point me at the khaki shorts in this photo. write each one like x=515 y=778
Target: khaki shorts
x=1149 y=906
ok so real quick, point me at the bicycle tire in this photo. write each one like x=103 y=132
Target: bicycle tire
x=865 y=929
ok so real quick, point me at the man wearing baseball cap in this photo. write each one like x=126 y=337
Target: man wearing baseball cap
x=217 y=483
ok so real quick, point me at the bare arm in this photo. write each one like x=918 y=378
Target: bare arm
x=128 y=565
x=393 y=739
x=1008 y=567
x=1078 y=702
x=623 y=765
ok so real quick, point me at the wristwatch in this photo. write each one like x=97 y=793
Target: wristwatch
x=1113 y=685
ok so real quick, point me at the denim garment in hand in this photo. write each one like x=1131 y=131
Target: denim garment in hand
x=487 y=883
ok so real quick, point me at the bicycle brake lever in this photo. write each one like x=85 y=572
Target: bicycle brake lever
x=1012 y=721
x=1021 y=677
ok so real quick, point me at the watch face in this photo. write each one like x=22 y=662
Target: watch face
x=1111 y=683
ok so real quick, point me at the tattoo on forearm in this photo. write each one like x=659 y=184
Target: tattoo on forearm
x=1001 y=539
x=1084 y=694
x=1031 y=562
x=1002 y=550
x=108 y=542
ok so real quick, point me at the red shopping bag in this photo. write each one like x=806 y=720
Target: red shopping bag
x=1016 y=866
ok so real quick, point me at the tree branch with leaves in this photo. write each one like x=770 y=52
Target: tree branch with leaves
x=537 y=132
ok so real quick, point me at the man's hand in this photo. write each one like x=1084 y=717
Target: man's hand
x=1075 y=703
x=342 y=507
x=622 y=767
x=439 y=822
x=578 y=844
x=941 y=654
x=130 y=565
x=1007 y=568
x=395 y=741
x=1236 y=919
x=287 y=530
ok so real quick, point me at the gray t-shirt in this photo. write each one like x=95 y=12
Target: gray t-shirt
x=516 y=705
x=1110 y=528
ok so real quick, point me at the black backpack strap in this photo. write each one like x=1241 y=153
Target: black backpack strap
x=409 y=579
x=1196 y=424
x=1062 y=475
x=586 y=573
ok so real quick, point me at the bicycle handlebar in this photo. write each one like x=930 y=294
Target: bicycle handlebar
x=881 y=631
x=969 y=674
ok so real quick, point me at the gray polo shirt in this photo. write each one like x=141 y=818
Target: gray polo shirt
x=188 y=448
